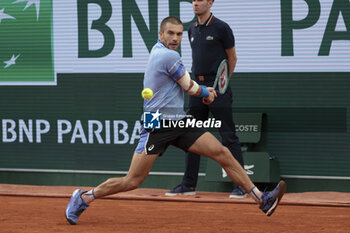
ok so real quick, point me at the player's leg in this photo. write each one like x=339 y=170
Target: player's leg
x=209 y=146
x=140 y=166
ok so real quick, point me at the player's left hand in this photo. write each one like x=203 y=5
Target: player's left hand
x=211 y=97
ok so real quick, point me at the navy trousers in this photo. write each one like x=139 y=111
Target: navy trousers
x=221 y=109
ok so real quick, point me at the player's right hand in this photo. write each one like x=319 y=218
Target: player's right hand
x=211 y=97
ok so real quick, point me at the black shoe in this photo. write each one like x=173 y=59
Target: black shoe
x=181 y=190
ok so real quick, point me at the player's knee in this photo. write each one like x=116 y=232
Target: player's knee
x=218 y=149
x=110 y=181
x=223 y=152
x=133 y=183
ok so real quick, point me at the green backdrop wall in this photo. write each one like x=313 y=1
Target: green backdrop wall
x=307 y=119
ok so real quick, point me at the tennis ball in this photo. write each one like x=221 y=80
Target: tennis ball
x=147 y=93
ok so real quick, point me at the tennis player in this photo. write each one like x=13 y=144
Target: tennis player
x=168 y=78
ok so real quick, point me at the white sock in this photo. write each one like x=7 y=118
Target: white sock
x=256 y=194
x=89 y=196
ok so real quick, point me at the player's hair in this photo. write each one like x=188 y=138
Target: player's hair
x=170 y=19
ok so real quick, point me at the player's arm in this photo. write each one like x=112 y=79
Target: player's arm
x=179 y=74
x=191 y=87
x=232 y=59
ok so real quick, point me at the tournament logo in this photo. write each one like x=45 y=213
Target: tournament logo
x=151 y=120
x=26 y=56
x=246 y=168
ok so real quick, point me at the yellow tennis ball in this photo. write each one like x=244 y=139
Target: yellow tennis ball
x=147 y=93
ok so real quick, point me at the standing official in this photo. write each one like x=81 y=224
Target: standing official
x=211 y=41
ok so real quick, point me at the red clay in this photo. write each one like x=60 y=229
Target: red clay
x=44 y=214
x=307 y=198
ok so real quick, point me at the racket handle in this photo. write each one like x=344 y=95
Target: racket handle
x=215 y=83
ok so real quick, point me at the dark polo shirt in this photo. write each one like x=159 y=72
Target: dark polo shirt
x=208 y=43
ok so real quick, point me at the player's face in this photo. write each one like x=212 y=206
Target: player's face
x=201 y=7
x=172 y=35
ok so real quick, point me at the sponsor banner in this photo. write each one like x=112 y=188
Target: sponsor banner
x=37 y=131
x=26 y=56
x=271 y=36
x=42 y=38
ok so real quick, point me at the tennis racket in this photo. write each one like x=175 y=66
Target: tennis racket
x=222 y=78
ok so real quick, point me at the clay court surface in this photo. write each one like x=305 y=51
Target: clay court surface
x=41 y=209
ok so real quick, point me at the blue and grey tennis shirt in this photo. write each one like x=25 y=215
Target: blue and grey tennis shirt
x=163 y=70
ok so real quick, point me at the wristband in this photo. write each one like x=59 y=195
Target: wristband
x=204 y=92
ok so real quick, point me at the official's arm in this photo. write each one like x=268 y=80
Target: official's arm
x=232 y=59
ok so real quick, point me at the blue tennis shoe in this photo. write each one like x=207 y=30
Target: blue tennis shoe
x=273 y=198
x=75 y=207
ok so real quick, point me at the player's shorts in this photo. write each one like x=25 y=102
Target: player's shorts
x=156 y=141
